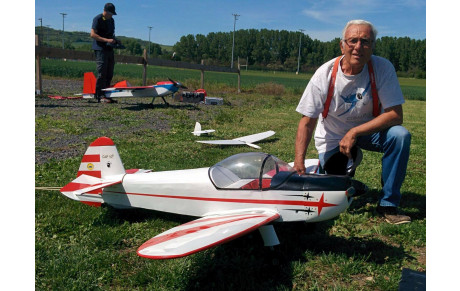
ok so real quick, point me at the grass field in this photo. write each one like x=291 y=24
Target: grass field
x=84 y=248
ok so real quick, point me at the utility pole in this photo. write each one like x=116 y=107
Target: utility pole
x=300 y=45
x=234 y=24
x=41 y=28
x=63 y=15
x=150 y=29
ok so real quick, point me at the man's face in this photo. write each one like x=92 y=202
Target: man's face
x=357 y=46
x=107 y=14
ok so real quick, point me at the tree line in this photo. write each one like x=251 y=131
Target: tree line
x=279 y=50
x=262 y=49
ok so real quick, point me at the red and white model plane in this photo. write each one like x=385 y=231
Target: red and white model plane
x=242 y=193
x=124 y=89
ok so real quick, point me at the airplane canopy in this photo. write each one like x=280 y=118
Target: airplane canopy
x=249 y=171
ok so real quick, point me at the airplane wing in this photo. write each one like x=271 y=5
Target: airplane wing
x=204 y=233
x=255 y=137
x=245 y=140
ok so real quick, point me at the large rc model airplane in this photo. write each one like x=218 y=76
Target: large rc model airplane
x=124 y=90
x=248 y=140
x=242 y=193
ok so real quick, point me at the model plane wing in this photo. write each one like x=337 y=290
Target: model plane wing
x=248 y=140
x=204 y=233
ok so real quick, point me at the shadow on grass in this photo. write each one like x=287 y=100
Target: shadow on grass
x=245 y=264
x=412 y=204
x=150 y=106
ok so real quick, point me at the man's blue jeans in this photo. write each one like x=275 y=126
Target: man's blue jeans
x=394 y=143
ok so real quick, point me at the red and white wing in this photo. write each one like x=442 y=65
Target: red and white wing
x=204 y=233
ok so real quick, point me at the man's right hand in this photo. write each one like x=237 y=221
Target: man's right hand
x=299 y=167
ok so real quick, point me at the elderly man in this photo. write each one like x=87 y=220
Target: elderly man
x=358 y=102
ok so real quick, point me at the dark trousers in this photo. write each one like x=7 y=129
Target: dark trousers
x=105 y=62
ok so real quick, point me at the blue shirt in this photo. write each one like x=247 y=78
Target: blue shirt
x=104 y=28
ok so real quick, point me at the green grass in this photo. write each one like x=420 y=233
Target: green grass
x=413 y=89
x=81 y=247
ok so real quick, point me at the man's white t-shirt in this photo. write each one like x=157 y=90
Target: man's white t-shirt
x=351 y=104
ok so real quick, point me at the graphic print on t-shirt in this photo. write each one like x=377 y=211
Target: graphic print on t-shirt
x=352 y=99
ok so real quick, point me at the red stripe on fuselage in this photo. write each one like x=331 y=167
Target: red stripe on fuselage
x=320 y=204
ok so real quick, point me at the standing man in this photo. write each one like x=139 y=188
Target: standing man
x=103 y=35
x=360 y=104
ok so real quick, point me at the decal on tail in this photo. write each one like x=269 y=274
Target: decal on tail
x=100 y=167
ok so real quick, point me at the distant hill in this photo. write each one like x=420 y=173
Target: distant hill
x=80 y=40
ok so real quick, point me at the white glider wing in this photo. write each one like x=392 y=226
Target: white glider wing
x=248 y=140
x=204 y=233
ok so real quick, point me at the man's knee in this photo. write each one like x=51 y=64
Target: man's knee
x=400 y=135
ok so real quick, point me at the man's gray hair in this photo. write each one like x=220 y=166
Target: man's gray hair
x=361 y=22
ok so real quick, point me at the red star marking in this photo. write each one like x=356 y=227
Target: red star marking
x=322 y=204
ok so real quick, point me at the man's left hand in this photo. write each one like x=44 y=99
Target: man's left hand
x=347 y=142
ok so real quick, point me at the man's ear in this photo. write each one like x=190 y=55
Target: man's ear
x=341 y=47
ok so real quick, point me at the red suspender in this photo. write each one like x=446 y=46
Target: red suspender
x=375 y=95
x=330 y=92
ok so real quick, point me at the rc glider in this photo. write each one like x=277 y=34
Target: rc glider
x=198 y=131
x=239 y=194
x=124 y=89
x=248 y=140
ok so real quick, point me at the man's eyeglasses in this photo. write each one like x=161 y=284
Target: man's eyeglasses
x=352 y=42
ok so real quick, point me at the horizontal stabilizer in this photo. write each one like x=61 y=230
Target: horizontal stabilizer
x=84 y=183
x=204 y=233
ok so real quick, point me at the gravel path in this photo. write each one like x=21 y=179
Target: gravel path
x=66 y=125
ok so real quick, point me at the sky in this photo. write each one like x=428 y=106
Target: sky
x=171 y=19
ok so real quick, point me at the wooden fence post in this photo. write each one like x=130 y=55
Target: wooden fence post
x=202 y=75
x=239 y=78
x=144 y=73
x=38 y=70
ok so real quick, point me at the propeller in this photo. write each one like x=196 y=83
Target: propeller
x=177 y=84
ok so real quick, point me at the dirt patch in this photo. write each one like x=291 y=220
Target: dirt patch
x=64 y=127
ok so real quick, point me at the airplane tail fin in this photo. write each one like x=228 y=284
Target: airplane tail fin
x=197 y=129
x=100 y=167
x=89 y=83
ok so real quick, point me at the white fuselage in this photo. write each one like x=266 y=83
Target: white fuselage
x=190 y=192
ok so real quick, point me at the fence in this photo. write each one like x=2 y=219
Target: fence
x=43 y=52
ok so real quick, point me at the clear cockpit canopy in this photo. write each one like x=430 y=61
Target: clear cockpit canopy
x=248 y=171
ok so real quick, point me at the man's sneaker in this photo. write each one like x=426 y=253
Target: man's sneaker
x=392 y=215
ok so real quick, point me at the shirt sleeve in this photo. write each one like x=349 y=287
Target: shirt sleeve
x=388 y=87
x=311 y=104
